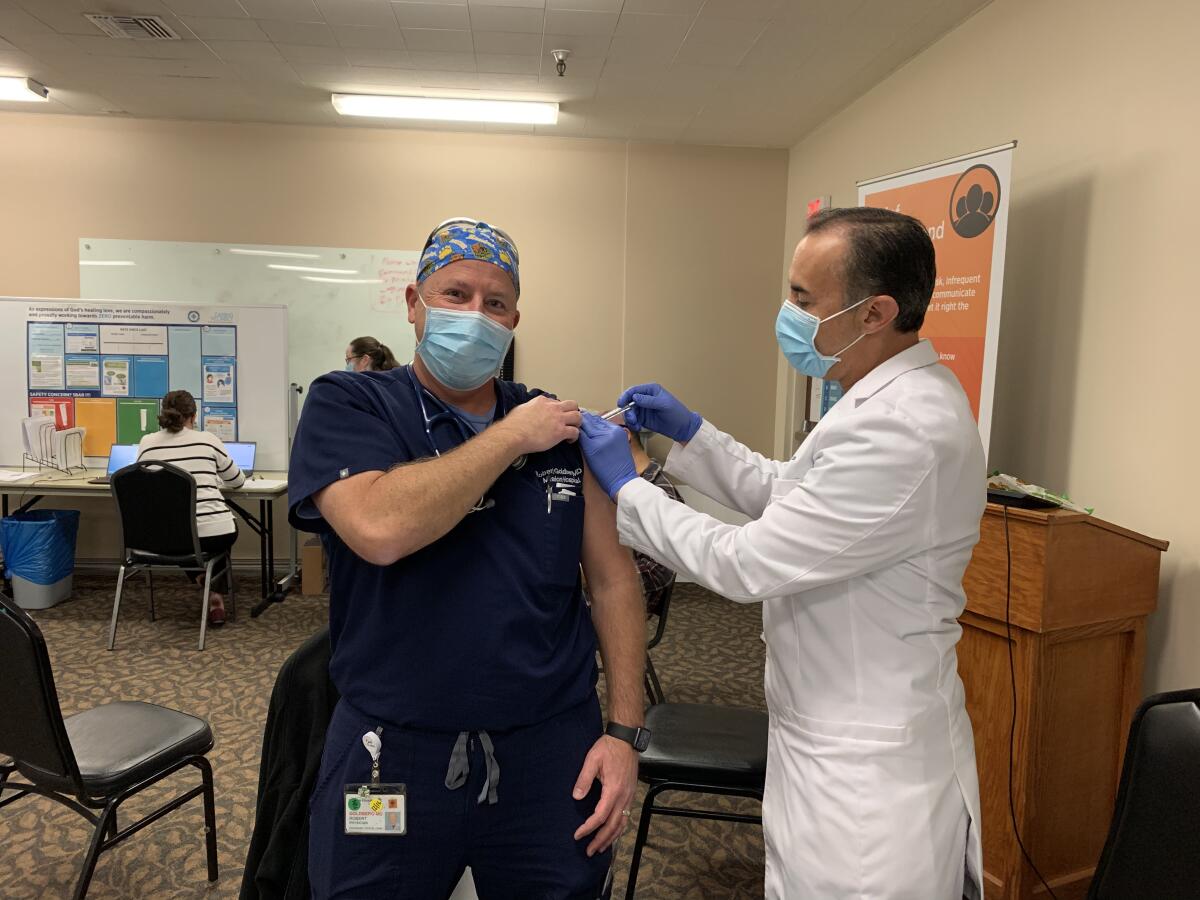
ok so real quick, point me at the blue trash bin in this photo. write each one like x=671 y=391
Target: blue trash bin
x=39 y=555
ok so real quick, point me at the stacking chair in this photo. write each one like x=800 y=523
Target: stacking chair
x=96 y=759
x=1153 y=846
x=157 y=503
x=658 y=605
x=700 y=749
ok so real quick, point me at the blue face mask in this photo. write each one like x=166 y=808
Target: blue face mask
x=796 y=331
x=462 y=349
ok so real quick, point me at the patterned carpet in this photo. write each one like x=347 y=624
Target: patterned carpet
x=711 y=654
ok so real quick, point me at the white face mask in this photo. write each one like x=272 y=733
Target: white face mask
x=462 y=349
x=796 y=332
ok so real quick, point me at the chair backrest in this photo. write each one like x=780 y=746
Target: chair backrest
x=659 y=602
x=1152 y=848
x=157 y=503
x=31 y=724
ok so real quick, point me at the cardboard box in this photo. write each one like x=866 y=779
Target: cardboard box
x=312 y=567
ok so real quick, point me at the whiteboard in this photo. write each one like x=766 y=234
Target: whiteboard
x=261 y=354
x=332 y=295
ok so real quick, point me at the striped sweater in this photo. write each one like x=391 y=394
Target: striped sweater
x=204 y=456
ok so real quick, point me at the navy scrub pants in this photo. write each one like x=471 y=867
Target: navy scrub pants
x=520 y=848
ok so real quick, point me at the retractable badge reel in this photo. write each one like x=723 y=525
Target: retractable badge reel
x=376 y=807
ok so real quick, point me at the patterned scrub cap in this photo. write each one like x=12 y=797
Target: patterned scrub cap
x=467 y=239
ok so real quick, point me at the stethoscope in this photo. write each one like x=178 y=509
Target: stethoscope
x=465 y=431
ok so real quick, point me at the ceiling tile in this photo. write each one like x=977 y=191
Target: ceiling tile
x=507 y=18
x=760 y=10
x=507 y=82
x=719 y=42
x=357 y=12
x=432 y=15
x=508 y=43
x=531 y=4
x=569 y=21
x=222 y=9
x=305 y=33
x=315 y=73
x=456 y=80
x=322 y=56
x=587 y=5
x=288 y=10
x=508 y=64
x=448 y=62
x=582 y=46
x=669 y=29
x=15 y=21
x=438 y=40
x=369 y=56
x=369 y=38
x=180 y=50
x=64 y=19
x=264 y=71
x=244 y=51
x=381 y=75
x=225 y=29
x=106 y=46
x=686 y=7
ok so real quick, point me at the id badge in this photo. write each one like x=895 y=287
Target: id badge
x=375 y=809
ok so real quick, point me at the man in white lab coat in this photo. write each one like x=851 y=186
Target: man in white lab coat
x=856 y=549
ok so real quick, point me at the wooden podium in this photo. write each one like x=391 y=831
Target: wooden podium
x=1081 y=591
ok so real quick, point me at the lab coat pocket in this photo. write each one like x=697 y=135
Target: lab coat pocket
x=846 y=731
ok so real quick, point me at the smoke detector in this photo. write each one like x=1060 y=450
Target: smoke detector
x=137 y=28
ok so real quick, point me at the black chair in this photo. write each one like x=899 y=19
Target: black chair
x=96 y=759
x=659 y=604
x=157 y=503
x=1153 y=846
x=700 y=749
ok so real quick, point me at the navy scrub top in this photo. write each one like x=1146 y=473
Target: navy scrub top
x=484 y=629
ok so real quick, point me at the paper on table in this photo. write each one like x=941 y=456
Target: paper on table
x=264 y=484
x=8 y=476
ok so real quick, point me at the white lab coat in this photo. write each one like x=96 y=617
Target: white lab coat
x=857 y=550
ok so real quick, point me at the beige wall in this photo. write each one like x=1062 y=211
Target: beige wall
x=632 y=253
x=1098 y=363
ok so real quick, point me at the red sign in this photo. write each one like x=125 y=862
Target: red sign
x=61 y=409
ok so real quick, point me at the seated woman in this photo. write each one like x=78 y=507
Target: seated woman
x=204 y=456
x=366 y=354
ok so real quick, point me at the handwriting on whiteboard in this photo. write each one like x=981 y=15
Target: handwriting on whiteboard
x=395 y=274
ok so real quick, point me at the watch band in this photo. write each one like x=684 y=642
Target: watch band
x=638 y=738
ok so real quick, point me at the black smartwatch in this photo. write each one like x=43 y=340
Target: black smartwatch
x=638 y=738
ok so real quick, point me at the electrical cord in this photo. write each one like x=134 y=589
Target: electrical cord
x=1012 y=731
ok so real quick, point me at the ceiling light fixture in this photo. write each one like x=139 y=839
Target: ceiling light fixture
x=23 y=89
x=281 y=254
x=445 y=109
x=281 y=267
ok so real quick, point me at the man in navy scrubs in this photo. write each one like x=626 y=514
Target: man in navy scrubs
x=459 y=512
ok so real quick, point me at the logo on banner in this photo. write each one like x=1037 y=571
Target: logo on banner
x=974 y=201
x=193 y=316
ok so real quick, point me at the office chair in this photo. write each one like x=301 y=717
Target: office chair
x=700 y=749
x=657 y=604
x=96 y=759
x=157 y=504
x=1153 y=846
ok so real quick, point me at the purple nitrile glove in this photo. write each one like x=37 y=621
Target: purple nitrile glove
x=657 y=410
x=606 y=449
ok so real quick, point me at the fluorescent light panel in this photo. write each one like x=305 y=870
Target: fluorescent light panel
x=284 y=268
x=107 y=262
x=23 y=89
x=280 y=254
x=513 y=112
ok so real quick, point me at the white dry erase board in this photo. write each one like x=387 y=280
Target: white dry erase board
x=105 y=364
x=332 y=294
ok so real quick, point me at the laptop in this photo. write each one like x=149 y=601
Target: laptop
x=242 y=453
x=120 y=456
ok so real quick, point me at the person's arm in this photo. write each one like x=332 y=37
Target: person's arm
x=386 y=516
x=619 y=615
x=720 y=467
x=862 y=506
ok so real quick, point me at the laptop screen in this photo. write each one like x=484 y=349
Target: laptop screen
x=243 y=454
x=120 y=456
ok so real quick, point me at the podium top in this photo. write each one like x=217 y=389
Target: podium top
x=1058 y=517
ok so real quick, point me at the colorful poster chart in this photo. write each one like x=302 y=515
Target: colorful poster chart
x=963 y=203
x=115 y=380
x=60 y=409
x=136 y=418
x=221 y=421
x=109 y=376
x=218 y=379
x=99 y=417
x=83 y=338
